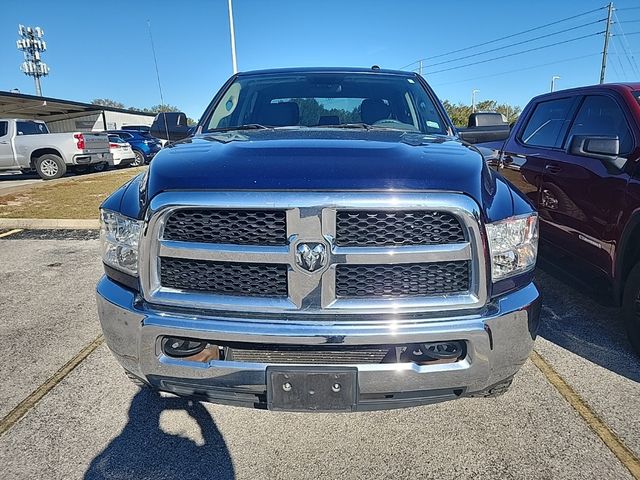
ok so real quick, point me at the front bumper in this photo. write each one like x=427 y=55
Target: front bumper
x=499 y=340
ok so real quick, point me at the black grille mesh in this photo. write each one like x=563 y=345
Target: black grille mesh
x=222 y=278
x=293 y=355
x=361 y=228
x=241 y=227
x=417 y=279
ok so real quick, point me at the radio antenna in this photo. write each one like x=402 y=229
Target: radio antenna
x=155 y=61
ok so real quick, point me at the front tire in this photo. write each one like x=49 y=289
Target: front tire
x=139 y=161
x=50 y=166
x=631 y=307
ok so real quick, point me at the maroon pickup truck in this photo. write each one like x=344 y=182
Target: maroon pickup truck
x=576 y=155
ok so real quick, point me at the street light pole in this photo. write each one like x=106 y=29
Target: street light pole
x=553 y=82
x=473 y=100
x=233 y=39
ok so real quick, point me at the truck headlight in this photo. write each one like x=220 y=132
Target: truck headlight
x=513 y=245
x=119 y=238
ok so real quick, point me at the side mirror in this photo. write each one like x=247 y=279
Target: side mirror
x=170 y=126
x=602 y=147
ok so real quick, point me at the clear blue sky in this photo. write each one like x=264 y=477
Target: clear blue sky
x=109 y=54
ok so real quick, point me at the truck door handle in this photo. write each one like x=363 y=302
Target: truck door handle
x=552 y=168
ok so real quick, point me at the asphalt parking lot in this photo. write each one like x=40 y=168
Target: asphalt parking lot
x=95 y=424
x=10 y=183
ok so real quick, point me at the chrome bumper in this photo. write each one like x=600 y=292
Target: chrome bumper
x=499 y=340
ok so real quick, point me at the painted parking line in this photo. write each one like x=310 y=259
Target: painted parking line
x=31 y=401
x=608 y=437
x=10 y=232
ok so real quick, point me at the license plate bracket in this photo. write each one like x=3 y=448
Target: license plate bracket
x=304 y=389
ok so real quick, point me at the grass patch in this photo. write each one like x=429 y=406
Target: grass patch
x=79 y=197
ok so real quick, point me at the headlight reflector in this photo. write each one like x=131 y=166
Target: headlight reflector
x=119 y=238
x=513 y=245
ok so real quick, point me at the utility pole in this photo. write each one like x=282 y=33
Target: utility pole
x=420 y=68
x=607 y=34
x=473 y=100
x=233 y=39
x=32 y=45
x=553 y=81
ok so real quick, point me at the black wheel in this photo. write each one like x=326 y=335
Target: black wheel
x=98 y=167
x=50 y=166
x=139 y=159
x=135 y=380
x=495 y=390
x=631 y=307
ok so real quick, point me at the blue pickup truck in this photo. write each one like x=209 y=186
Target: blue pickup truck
x=323 y=242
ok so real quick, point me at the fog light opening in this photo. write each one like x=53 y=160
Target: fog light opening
x=178 y=347
x=437 y=352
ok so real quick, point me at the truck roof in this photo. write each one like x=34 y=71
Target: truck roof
x=618 y=87
x=328 y=70
x=4 y=119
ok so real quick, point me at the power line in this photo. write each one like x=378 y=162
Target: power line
x=517 y=53
x=617 y=56
x=515 y=44
x=491 y=75
x=506 y=36
x=627 y=48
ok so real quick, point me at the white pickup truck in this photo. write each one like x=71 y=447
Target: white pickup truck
x=27 y=145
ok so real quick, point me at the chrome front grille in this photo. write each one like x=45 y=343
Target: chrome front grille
x=365 y=228
x=293 y=355
x=374 y=252
x=224 y=278
x=241 y=227
x=412 y=279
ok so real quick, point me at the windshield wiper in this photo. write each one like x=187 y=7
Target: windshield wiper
x=364 y=126
x=248 y=126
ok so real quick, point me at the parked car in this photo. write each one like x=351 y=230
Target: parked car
x=485 y=127
x=120 y=151
x=144 y=146
x=285 y=261
x=576 y=155
x=27 y=145
x=136 y=128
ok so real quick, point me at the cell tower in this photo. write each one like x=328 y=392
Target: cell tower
x=32 y=45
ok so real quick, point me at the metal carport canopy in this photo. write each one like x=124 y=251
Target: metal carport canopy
x=19 y=105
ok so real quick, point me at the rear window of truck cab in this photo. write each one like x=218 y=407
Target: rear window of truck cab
x=327 y=99
x=31 y=128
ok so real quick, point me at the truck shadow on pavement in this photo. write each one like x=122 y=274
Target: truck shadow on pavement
x=144 y=451
x=580 y=323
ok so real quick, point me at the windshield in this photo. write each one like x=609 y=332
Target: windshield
x=327 y=100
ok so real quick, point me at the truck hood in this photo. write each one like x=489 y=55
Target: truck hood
x=320 y=159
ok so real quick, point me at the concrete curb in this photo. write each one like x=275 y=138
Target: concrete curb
x=38 y=184
x=50 y=223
